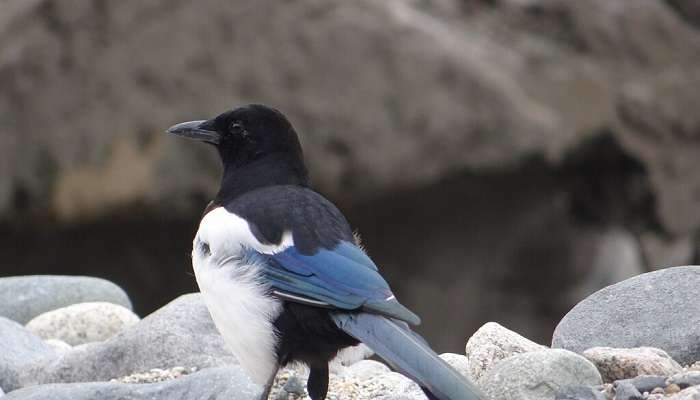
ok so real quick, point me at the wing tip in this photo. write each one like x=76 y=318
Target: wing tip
x=393 y=309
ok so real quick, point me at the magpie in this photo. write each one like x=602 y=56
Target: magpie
x=281 y=272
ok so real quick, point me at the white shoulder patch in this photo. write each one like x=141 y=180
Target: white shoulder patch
x=226 y=234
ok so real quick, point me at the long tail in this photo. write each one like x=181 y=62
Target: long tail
x=409 y=354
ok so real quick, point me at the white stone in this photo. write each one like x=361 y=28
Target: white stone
x=83 y=322
x=493 y=343
x=366 y=369
x=458 y=362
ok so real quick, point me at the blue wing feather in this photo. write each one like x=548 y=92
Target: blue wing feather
x=344 y=277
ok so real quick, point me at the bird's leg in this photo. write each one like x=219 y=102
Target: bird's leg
x=268 y=386
x=317 y=386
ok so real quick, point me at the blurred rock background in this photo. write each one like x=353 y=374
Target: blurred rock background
x=501 y=159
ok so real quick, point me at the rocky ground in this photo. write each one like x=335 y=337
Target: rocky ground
x=637 y=339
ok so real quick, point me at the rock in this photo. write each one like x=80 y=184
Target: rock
x=389 y=385
x=295 y=386
x=366 y=368
x=458 y=362
x=626 y=391
x=691 y=393
x=671 y=389
x=215 y=383
x=83 y=322
x=492 y=343
x=59 y=346
x=645 y=383
x=155 y=375
x=24 y=297
x=579 y=393
x=538 y=375
x=685 y=379
x=637 y=312
x=617 y=364
x=19 y=349
x=180 y=333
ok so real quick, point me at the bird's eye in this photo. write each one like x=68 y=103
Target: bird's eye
x=237 y=128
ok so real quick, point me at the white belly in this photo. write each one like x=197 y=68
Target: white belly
x=242 y=312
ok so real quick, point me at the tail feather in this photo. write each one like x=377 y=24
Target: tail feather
x=408 y=353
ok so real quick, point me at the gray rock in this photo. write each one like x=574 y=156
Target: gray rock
x=179 y=334
x=617 y=364
x=538 y=375
x=492 y=343
x=685 y=379
x=627 y=391
x=214 y=383
x=24 y=297
x=691 y=393
x=645 y=383
x=638 y=312
x=83 y=322
x=20 y=348
x=294 y=385
x=579 y=393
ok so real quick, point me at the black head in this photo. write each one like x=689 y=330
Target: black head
x=245 y=134
x=252 y=140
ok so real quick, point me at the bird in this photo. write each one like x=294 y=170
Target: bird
x=281 y=272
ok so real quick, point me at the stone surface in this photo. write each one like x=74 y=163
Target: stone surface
x=691 y=393
x=83 y=322
x=493 y=343
x=19 y=349
x=179 y=334
x=685 y=379
x=155 y=375
x=366 y=368
x=24 y=297
x=645 y=383
x=458 y=362
x=214 y=383
x=657 y=309
x=615 y=364
x=626 y=391
x=579 y=393
x=538 y=375
x=59 y=346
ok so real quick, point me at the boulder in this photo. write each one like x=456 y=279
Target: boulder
x=214 y=383
x=658 y=309
x=24 y=297
x=538 y=375
x=179 y=334
x=83 y=322
x=492 y=343
x=20 y=348
x=617 y=364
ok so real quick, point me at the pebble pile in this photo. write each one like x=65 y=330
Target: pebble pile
x=635 y=340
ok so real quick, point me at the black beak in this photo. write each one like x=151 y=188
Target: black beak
x=197 y=130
